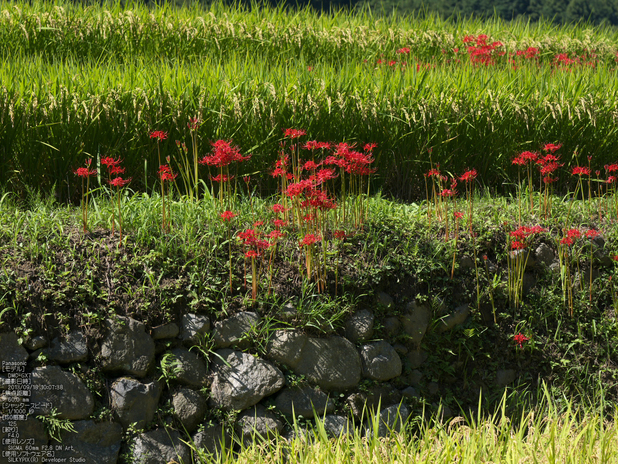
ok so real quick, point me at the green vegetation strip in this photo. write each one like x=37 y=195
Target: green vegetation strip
x=96 y=81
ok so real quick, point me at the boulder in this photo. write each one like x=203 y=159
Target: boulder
x=160 y=446
x=127 y=348
x=53 y=388
x=359 y=327
x=194 y=328
x=213 y=440
x=164 y=332
x=189 y=408
x=241 y=380
x=134 y=402
x=185 y=367
x=257 y=423
x=336 y=425
x=457 y=317
x=11 y=351
x=65 y=350
x=31 y=429
x=415 y=321
x=380 y=361
x=91 y=443
x=231 y=331
x=303 y=401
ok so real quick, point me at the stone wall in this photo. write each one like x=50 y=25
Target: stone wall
x=140 y=392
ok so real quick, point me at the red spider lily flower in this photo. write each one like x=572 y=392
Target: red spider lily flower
x=447 y=193
x=194 y=123
x=224 y=154
x=308 y=217
x=167 y=176
x=222 y=178
x=549 y=179
x=592 y=233
x=84 y=172
x=159 y=135
x=552 y=147
x=258 y=223
x=310 y=239
x=580 y=171
x=315 y=145
x=469 y=175
x=589 y=158
x=227 y=215
x=276 y=234
x=369 y=147
x=615 y=257
x=611 y=167
x=279 y=208
x=403 y=51
x=311 y=165
x=433 y=172
x=484 y=257
x=574 y=233
x=517 y=245
x=339 y=234
x=246 y=179
x=458 y=214
x=119 y=182
x=294 y=133
x=116 y=170
x=109 y=161
x=252 y=254
x=611 y=179
x=568 y=241
x=520 y=339
x=279 y=223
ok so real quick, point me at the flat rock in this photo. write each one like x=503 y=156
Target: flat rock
x=233 y=330
x=359 y=327
x=303 y=401
x=214 y=439
x=91 y=443
x=415 y=321
x=54 y=388
x=380 y=361
x=457 y=317
x=10 y=350
x=65 y=350
x=134 y=402
x=241 y=380
x=127 y=348
x=160 y=447
x=165 y=331
x=257 y=423
x=188 y=368
x=194 y=327
x=189 y=408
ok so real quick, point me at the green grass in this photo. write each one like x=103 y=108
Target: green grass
x=94 y=81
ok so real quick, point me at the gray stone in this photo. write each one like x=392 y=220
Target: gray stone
x=53 y=388
x=544 y=255
x=213 y=440
x=410 y=392
x=415 y=377
x=333 y=363
x=359 y=326
x=336 y=425
x=393 y=419
x=127 y=348
x=134 y=402
x=416 y=358
x=525 y=256
x=166 y=331
x=466 y=263
x=29 y=429
x=257 y=423
x=187 y=367
x=392 y=326
x=401 y=349
x=65 y=350
x=303 y=401
x=286 y=346
x=457 y=317
x=288 y=313
x=380 y=361
x=415 y=321
x=505 y=377
x=385 y=300
x=189 y=408
x=91 y=443
x=233 y=330
x=36 y=343
x=160 y=447
x=10 y=350
x=194 y=328
x=364 y=404
x=241 y=380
